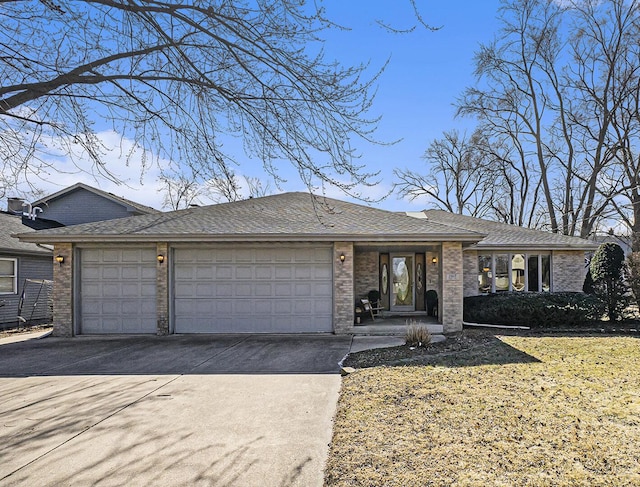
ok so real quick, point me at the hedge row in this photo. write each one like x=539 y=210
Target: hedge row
x=536 y=310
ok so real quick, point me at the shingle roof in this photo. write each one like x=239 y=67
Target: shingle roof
x=288 y=216
x=502 y=235
x=12 y=224
x=118 y=199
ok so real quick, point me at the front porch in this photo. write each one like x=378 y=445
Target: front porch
x=396 y=324
x=403 y=280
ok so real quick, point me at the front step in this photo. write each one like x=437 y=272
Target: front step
x=393 y=330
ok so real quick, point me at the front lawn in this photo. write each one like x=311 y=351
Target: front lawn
x=513 y=410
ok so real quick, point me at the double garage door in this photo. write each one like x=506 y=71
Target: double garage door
x=258 y=289
x=214 y=289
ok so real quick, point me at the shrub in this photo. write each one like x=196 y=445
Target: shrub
x=535 y=310
x=417 y=334
x=633 y=263
x=606 y=269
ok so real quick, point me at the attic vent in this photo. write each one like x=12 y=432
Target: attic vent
x=14 y=205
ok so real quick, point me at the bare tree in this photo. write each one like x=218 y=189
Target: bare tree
x=175 y=78
x=459 y=180
x=550 y=86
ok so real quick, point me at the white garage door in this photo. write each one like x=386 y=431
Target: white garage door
x=259 y=289
x=117 y=290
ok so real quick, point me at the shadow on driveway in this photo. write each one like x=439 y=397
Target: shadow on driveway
x=176 y=354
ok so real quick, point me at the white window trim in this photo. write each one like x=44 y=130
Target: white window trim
x=15 y=275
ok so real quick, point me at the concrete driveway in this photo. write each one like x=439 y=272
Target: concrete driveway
x=179 y=410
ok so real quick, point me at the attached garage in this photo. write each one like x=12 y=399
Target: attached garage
x=265 y=288
x=117 y=292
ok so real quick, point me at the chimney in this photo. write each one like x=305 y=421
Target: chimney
x=14 y=206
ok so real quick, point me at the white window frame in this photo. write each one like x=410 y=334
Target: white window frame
x=510 y=255
x=14 y=276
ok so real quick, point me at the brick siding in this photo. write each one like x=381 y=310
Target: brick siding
x=162 y=289
x=366 y=273
x=452 y=288
x=569 y=271
x=343 y=290
x=470 y=272
x=63 y=291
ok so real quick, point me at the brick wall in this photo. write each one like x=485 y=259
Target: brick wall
x=63 y=291
x=162 y=289
x=450 y=303
x=432 y=272
x=343 y=290
x=568 y=270
x=366 y=273
x=470 y=271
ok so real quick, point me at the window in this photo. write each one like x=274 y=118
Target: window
x=484 y=274
x=514 y=272
x=517 y=272
x=501 y=279
x=8 y=276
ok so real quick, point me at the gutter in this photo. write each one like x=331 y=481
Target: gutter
x=208 y=238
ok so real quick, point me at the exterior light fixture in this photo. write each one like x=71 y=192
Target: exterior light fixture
x=342 y=257
x=59 y=259
x=160 y=258
x=434 y=260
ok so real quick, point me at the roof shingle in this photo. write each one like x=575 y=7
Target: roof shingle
x=502 y=235
x=287 y=216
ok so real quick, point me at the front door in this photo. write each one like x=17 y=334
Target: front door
x=402 y=283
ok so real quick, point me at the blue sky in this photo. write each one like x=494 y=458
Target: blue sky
x=427 y=71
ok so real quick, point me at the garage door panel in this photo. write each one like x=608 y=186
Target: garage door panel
x=220 y=255
x=244 y=255
x=224 y=272
x=244 y=272
x=302 y=289
x=148 y=289
x=258 y=289
x=223 y=290
x=263 y=289
x=323 y=290
x=264 y=272
x=322 y=273
x=281 y=307
x=204 y=272
x=110 y=256
x=243 y=290
x=262 y=307
x=283 y=272
x=282 y=289
x=303 y=273
x=117 y=291
x=110 y=272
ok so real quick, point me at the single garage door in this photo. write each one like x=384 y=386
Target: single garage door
x=117 y=290
x=257 y=289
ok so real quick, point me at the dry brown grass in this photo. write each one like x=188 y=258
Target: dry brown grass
x=518 y=411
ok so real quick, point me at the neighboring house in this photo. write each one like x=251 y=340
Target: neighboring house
x=21 y=262
x=289 y=263
x=81 y=203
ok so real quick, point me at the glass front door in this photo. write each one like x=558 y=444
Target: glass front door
x=402 y=283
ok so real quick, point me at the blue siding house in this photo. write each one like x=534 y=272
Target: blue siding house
x=23 y=265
